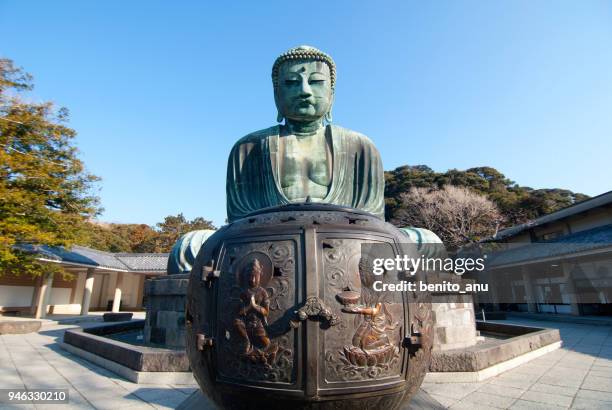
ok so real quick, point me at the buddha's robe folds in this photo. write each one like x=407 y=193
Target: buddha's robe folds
x=253 y=180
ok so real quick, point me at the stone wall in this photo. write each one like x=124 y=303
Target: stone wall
x=165 y=302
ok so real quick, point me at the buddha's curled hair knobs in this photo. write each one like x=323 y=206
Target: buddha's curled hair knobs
x=304 y=53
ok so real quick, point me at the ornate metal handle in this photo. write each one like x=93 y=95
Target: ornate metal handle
x=209 y=273
x=314 y=308
x=413 y=343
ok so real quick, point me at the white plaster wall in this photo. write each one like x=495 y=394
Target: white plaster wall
x=16 y=296
x=72 y=309
x=129 y=289
x=59 y=296
x=80 y=285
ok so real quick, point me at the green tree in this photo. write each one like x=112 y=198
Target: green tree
x=45 y=193
x=517 y=204
x=102 y=237
x=174 y=226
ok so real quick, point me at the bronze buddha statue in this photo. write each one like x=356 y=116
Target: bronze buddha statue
x=306 y=159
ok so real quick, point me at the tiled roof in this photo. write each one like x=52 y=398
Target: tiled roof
x=577 y=208
x=101 y=258
x=144 y=262
x=128 y=262
x=583 y=241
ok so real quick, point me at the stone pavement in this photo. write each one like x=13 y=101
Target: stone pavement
x=577 y=376
x=35 y=360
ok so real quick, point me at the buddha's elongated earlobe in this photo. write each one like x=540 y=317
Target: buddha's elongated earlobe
x=279 y=117
x=328 y=116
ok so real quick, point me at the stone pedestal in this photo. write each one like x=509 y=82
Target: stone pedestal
x=454 y=324
x=453 y=316
x=165 y=302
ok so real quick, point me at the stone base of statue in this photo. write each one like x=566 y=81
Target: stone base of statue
x=453 y=315
x=165 y=303
x=283 y=312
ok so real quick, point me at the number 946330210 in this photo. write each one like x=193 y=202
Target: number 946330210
x=34 y=396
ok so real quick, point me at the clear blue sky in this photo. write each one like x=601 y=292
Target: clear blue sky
x=159 y=91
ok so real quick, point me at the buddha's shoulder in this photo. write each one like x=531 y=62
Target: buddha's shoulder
x=257 y=136
x=352 y=135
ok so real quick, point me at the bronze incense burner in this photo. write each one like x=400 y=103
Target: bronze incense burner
x=282 y=313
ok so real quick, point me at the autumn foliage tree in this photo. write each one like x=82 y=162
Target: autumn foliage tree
x=142 y=238
x=113 y=237
x=45 y=192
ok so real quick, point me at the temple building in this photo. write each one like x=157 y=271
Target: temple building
x=560 y=263
x=94 y=280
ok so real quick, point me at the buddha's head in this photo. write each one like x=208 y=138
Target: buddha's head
x=304 y=79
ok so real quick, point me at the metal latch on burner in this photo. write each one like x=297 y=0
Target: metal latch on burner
x=209 y=273
x=413 y=342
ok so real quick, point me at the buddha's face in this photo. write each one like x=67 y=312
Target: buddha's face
x=304 y=90
x=254 y=277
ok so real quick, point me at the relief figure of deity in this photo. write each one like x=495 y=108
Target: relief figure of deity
x=371 y=344
x=252 y=315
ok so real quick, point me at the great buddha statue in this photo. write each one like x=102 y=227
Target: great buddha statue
x=304 y=158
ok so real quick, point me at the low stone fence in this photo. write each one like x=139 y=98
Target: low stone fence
x=516 y=345
x=141 y=358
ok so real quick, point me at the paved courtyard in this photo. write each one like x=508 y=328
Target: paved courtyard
x=35 y=360
x=577 y=376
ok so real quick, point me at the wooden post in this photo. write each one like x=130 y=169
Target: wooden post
x=87 y=291
x=35 y=295
x=571 y=288
x=532 y=306
x=141 y=283
x=43 y=296
x=494 y=297
x=117 y=298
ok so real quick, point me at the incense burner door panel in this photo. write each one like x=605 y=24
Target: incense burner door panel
x=258 y=287
x=364 y=350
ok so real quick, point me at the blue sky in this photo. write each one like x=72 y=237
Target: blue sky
x=160 y=91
